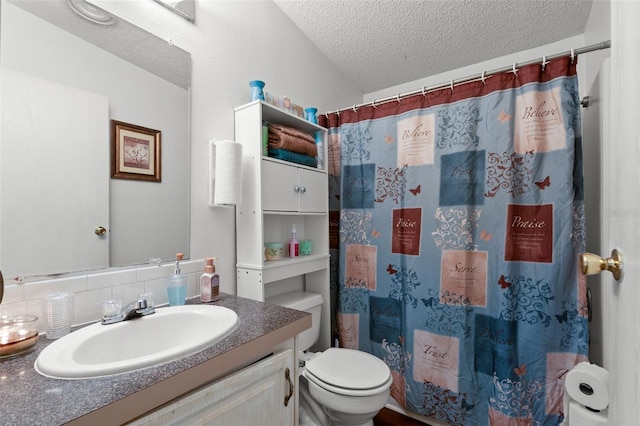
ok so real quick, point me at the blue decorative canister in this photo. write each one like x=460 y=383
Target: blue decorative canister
x=310 y=115
x=256 y=90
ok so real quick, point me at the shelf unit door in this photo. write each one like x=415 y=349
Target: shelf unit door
x=316 y=191
x=279 y=183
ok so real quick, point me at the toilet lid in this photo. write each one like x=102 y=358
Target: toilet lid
x=349 y=369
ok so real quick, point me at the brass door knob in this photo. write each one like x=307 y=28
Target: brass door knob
x=593 y=264
x=100 y=231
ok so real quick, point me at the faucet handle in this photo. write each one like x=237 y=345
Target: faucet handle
x=148 y=297
x=141 y=304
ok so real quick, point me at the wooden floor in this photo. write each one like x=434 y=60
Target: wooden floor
x=387 y=417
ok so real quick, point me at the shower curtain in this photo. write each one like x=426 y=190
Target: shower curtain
x=456 y=221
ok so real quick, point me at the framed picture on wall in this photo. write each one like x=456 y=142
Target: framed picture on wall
x=135 y=152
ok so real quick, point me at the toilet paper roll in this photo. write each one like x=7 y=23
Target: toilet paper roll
x=588 y=385
x=228 y=173
x=582 y=416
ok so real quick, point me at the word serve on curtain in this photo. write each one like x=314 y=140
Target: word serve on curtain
x=458 y=220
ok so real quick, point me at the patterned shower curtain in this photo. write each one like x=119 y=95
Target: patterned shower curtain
x=457 y=219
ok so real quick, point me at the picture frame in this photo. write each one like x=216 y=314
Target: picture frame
x=135 y=152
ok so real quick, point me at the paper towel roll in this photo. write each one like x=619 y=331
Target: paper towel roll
x=228 y=173
x=580 y=415
x=588 y=385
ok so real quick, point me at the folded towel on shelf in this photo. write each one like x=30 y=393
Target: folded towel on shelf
x=287 y=138
x=293 y=157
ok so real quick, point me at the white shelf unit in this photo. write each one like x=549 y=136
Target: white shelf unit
x=276 y=195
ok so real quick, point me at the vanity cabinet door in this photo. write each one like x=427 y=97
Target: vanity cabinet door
x=254 y=395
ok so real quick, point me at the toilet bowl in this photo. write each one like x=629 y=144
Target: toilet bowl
x=338 y=386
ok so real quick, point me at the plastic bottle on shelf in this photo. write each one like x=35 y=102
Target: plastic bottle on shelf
x=293 y=243
x=319 y=137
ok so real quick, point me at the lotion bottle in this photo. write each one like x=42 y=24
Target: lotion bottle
x=209 y=291
x=215 y=282
x=293 y=243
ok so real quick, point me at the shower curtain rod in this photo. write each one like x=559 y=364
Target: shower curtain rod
x=476 y=77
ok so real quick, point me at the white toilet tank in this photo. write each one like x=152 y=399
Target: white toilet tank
x=307 y=302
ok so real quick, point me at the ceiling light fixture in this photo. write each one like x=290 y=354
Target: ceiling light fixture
x=90 y=12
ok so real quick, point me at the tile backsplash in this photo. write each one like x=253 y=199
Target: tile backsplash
x=92 y=288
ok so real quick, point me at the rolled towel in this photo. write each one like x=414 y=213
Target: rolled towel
x=287 y=138
x=293 y=157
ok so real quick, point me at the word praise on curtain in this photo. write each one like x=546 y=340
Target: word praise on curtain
x=457 y=221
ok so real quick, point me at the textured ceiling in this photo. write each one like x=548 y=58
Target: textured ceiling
x=383 y=43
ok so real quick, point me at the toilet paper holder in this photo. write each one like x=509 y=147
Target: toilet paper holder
x=593 y=264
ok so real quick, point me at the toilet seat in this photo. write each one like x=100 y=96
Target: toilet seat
x=348 y=372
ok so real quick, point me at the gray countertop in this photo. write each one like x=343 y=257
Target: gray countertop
x=27 y=398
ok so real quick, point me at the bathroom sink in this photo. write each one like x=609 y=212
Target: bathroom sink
x=168 y=334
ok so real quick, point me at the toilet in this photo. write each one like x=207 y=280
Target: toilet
x=339 y=386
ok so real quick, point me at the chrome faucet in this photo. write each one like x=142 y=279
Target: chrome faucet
x=136 y=309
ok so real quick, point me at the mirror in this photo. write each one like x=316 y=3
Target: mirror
x=63 y=79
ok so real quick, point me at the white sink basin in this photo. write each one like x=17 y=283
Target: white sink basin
x=168 y=334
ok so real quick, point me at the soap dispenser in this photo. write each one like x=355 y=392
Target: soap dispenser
x=177 y=288
x=209 y=282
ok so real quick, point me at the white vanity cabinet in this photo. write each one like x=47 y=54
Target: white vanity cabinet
x=276 y=196
x=260 y=394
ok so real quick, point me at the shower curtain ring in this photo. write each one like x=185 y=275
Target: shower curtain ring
x=373 y=104
x=514 y=69
x=398 y=97
x=573 y=55
x=424 y=94
x=354 y=108
x=451 y=86
x=545 y=62
x=483 y=78
x=338 y=112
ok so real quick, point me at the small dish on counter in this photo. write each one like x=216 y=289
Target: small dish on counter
x=18 y=334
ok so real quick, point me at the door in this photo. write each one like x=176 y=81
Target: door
x=593 y=126
x=621 y=221
x=53 y=230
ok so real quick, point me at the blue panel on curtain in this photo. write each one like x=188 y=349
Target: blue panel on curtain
x=456 y=224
